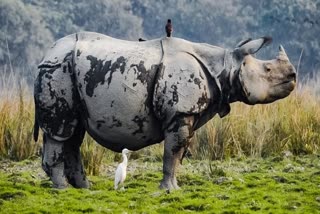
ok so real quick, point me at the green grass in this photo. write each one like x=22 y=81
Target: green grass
x=272 y=185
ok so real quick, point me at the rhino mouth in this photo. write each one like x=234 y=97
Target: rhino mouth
x=281 y=90
x=290 y=80
x=284 y=88
x=287 y=83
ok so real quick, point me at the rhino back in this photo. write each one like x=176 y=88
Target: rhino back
x=116 y=82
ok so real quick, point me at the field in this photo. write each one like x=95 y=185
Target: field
x=282 y=184
x=261 y=159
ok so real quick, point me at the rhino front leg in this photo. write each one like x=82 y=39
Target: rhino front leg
x=177 y=140
x=53 y=161
x=72 y=159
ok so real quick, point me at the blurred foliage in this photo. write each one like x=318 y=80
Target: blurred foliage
x=23 y=35
x=29 y=27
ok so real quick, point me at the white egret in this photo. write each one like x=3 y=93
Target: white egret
x=121 y=171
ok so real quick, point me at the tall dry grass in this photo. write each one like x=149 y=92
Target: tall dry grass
x=94 y=155
x=16 y=119
x=291 y=124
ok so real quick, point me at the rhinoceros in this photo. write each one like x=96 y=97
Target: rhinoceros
x=128 y=94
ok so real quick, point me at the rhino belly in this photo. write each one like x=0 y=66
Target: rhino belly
x=121 y=118
x=117 y=95
x=118 y=131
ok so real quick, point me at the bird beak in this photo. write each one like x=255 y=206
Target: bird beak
x=127 y=150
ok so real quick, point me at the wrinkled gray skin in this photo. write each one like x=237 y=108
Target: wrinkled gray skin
x=135 y=94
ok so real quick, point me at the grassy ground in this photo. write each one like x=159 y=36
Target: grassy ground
x=282 y=184
x=255 y=175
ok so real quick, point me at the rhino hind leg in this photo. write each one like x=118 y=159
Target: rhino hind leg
x=177 y=140
x=73 y=167
x=61 y=160
x=53 y=161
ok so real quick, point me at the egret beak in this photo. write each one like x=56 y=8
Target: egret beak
x=126 y=151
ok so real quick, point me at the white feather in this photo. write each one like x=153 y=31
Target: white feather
x=121 y=171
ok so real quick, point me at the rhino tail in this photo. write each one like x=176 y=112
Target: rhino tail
x=36 y=127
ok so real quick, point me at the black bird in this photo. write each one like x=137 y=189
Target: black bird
x=169 y=28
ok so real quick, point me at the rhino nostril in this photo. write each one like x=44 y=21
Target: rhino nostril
x=292 y=76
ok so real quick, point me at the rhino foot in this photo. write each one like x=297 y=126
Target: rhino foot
x=169 y=184
x=57 y=177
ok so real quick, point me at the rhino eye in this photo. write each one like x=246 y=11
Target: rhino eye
x=267 y=68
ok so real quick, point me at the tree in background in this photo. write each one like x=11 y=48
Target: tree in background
x=29 y=27
x=292 y=23
x=23 y=35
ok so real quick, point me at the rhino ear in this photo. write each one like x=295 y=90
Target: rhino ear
x=252 y=46
x=243 y=42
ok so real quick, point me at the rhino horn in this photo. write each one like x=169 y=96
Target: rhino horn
x=282 y=54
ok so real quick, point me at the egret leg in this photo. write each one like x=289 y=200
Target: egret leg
x=52 y=161
x=72 y=159
x=177 y=140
